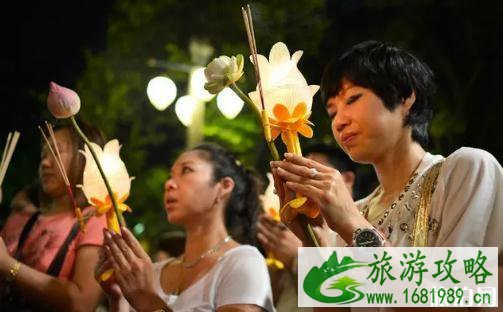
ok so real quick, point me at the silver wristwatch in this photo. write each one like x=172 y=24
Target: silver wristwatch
x=367 y=237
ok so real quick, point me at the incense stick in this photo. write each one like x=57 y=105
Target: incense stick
x=58 y=160
x=53 y=137
x=247 y=17
x=62 y=171
x=250 y=34
x=4 y=154
x=10 y=146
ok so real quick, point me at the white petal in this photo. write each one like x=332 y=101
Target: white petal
x=112 y=147
x=296 y=56
x=279 y=53
x=289 y=96
x=314 y=89
x=97 y=150
x=255 y=97
x=216 y=77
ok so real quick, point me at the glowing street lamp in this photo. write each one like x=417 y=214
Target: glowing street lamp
x=161 y=92
x=184 y=109
x=229 y=104
x=190 y=109
x=196 y=86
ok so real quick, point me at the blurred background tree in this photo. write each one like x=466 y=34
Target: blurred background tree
x=460 y=40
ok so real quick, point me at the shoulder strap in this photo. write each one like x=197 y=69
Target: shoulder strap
x=57 y=264
x=421 y=224
x=24 y=233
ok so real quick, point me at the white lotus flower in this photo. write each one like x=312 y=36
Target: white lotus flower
x=288 y=98
x=115 y=170
x=223 y=71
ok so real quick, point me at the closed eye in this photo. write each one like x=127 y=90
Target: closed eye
x=353 y=98
x=331 y=110
x=332 y=114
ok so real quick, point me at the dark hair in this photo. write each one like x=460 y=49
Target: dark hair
x=337 y=158
x=392 y=74
x=243 y=207
x=78 y=160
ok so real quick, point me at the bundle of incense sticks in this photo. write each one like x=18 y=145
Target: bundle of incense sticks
x=250 y=32
x=61 y=167
x=10 y=146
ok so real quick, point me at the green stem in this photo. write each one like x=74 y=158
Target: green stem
x=270 y=144
x=244 y=97
x=309 y=230
x=93 y=153
x=273 y=150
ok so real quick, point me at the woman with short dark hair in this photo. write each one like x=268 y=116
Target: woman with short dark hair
x=379 y=98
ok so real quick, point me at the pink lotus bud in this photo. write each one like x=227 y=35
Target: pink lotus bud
x=62 y=102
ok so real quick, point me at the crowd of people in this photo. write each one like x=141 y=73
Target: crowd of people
x=379 y=98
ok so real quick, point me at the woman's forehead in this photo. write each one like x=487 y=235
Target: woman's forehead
x=347 y=85
x=190 y=157
x=62 y=137
x=343 y=89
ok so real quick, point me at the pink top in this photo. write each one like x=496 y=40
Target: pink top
x=46 y=237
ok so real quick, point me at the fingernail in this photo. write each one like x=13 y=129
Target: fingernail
x=288 y=155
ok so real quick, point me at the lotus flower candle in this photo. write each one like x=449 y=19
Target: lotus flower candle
x=287 y=96
x=288 y=99
x=95 y=189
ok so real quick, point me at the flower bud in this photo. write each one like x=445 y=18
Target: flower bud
x=62 y=102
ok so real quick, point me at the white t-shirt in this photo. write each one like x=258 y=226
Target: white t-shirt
x=239 y=277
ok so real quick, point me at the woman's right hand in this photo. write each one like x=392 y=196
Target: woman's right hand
x=318 y=224
x=326 y=188
x=133 y=270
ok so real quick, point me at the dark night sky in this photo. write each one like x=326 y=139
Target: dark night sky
x=42 y=42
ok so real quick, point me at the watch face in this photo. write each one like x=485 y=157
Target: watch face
x=368 y=238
